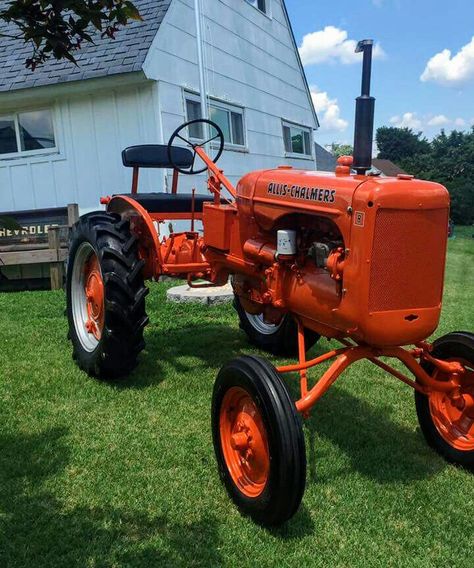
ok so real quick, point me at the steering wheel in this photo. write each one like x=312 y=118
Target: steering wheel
x=214 y=130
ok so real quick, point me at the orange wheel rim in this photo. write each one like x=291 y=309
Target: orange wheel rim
x=94 y=294
x=244 y=442
x=455 y=425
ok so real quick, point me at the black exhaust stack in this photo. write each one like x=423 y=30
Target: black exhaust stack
x=364 y=115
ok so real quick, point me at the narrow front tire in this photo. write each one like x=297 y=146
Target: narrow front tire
x=258 y=440
x=446 y=428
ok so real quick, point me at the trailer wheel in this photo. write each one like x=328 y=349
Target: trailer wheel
x=279 y=339
x=258 y=440
x=105 y=296
x=447 y=429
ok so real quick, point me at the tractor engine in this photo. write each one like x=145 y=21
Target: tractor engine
x=350 y=255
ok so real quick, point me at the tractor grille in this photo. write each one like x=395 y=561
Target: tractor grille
x=407 y=259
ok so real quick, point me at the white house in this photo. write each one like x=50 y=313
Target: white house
x=62 y=127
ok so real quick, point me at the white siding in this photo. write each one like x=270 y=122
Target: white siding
x=91 y=131
x=250 y=61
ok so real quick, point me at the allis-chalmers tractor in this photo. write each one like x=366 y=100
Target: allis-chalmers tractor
x=349 y=256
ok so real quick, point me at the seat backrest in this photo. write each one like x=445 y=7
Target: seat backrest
x=155 y=156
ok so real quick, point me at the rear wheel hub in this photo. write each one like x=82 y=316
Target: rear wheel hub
x=94 y=291
x=87 y=296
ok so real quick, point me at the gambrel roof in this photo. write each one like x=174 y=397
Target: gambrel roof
x=105 y=57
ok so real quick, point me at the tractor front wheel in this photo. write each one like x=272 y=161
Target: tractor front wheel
x=258 y=440
x=105 y=296
x=448 y=428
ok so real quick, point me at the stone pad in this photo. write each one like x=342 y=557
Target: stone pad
x=208 y=296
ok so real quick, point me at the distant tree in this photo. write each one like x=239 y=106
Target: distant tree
x=450 y=161
x=338 y=150
x=58 y=28
x=395 y=144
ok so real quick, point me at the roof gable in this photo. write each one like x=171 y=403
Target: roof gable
x=105 y=57
x=325 y=161
x=300 y=63
x=387 y=168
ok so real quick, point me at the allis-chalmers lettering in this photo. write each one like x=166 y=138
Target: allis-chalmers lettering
x=298 y=192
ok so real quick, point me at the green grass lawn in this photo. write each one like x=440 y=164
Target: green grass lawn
x=96 y=474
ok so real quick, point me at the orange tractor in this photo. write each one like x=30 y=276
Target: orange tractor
x=349 y=256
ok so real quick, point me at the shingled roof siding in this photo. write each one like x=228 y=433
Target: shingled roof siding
x=105 y=57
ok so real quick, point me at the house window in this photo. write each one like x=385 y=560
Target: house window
x=297 y=139
x=23 y=132
x=259 y=4
x=230 y=118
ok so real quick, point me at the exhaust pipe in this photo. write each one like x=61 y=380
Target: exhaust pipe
x=364 y=114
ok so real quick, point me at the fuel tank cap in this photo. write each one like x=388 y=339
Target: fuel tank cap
x=285 y=167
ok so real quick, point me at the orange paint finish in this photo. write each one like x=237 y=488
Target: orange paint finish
x=244 y=442
x=95 y=296
x=269 y=195
x=141 y=224
x=379 y=283
x=379 y=294
x=397 y=245
x=218 y=222
x=345 y=356
x=172 y=216
x=453 y=414
x=181 y=254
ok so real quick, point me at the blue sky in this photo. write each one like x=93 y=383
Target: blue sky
x=415 y=81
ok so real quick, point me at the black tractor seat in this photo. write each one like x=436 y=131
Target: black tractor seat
x=156 y=156
x=170 y=202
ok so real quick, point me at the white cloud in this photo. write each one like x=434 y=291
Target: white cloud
x=407 y=120
x=328 y=111
x=415 y=122
x=331 y=45
x=454 y=70
x=438 y=120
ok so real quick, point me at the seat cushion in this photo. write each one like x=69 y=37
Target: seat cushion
x=156 y=156
x=170 y=202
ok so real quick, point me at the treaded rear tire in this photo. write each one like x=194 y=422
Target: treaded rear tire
x=283 y=341
x=116 y=248
x=285 y=485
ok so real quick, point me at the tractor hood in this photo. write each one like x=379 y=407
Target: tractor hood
x=269 y=194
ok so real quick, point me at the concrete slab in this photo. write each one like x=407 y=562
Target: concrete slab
x=208 y=296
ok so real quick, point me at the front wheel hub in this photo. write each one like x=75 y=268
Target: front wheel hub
x=239 y=441
x=453 y=416
x=244 y=442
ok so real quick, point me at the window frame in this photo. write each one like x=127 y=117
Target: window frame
x=27 y=153
x=268 y=7
x=303 y=128
x=221 y=105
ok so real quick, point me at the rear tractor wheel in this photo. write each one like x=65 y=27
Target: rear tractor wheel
x=449 y=428
x=278 y=338
x=258 y=440
x=105 y=296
